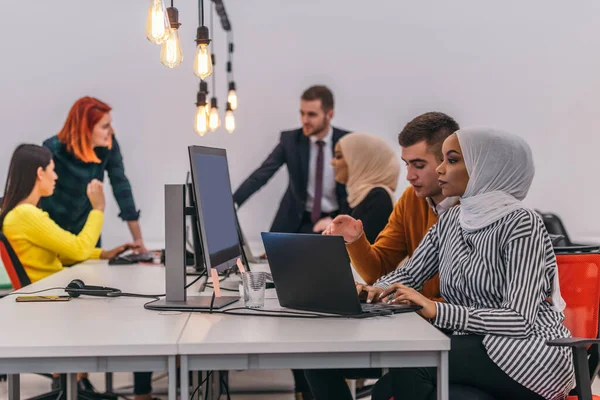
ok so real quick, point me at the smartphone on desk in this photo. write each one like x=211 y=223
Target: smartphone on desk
x=32 y=299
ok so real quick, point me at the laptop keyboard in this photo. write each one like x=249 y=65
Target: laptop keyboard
x=371 y=307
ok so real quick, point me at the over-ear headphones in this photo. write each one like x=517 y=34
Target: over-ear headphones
x=77 y=287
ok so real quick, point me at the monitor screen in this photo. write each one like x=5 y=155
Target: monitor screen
x=214 y=204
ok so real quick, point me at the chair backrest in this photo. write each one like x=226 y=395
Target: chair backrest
x=554 y=226
x=579 y=276
x=17 y=274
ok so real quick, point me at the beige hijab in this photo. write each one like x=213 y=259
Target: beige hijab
x=371 y=163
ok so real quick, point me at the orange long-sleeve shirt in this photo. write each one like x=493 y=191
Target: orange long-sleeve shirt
x=409 y=222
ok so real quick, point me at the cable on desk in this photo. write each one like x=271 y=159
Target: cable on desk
x=253 y=312
x=36 y=292
x=116 y=294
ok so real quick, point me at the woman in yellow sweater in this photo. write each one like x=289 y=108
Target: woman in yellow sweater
x=41 y=245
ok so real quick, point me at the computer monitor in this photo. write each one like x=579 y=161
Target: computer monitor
x=194 y=251
x=215 y=209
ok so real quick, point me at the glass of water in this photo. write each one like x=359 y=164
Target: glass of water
x=254 y=289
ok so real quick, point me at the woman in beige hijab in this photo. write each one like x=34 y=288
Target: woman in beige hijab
x=370 y=169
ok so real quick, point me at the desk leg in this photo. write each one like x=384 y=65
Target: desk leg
x=172 y=371
x=184 y=378
x=442 y=376
x=72 y=387
x=215 y=385
x=109 y=382
x=14 y=387
x=196 y=379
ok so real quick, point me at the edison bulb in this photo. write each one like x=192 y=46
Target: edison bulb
x=201 y=125
x=157 y=23
x=171 y=54
x=203 y=62
x=229 y=121
x=213 y=120
x=232 y=99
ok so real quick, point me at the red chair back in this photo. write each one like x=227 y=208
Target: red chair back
x=17 y=274
x=579 y=276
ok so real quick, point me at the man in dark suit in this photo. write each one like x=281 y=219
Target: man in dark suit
x=312 y=193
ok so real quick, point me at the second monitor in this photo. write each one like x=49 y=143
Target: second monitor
x=214 y=206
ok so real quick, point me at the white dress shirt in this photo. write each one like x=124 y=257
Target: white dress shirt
x=445 y=205
x=329 y=202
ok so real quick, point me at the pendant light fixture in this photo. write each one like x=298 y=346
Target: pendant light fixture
x=171 y=54
x=214 y=120
x=157 y=23
x=202 y=61
x=231 y=94
x=229 y=119
x=201 y=120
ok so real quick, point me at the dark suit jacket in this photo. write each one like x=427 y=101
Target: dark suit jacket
x=294 y=151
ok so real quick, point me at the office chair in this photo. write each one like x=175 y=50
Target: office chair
x=19 y=278
x=579 y=275
x=580 y=287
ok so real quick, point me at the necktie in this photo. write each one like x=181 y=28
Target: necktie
x=316 y=209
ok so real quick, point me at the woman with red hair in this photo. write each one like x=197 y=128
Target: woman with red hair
x=84 y=150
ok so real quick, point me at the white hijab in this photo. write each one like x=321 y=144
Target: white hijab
x=500 y=167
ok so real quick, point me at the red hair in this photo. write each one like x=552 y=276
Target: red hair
x=77 y=131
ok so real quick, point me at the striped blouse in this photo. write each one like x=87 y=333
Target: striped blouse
x=495 y=282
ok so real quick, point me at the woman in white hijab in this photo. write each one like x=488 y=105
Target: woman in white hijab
x=370 y=169
x=497 y=271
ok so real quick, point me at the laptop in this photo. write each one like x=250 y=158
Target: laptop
x=313 y=273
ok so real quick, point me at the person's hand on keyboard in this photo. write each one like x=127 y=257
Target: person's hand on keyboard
x=108 y=254
x=370 y=294
x=401 y=294
x=140 y=247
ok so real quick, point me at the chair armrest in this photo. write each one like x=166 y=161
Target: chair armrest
x=572 y=342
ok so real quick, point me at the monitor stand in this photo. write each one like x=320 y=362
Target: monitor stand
x=196 y=303
x=176 y=296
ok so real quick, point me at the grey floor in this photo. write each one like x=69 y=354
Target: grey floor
x=279 y=381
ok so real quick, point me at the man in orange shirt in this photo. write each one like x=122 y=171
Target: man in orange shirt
x=415 y=212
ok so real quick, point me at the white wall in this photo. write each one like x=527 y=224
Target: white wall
x=532 y=67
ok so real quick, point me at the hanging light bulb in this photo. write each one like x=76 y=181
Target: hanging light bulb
x=201 y=123
x=232 y=96
x=207 y=107
x=202 y=61
x=204 y=89
x=213 y=120
x=157 y=23
x=229 y=119
x=171 y=54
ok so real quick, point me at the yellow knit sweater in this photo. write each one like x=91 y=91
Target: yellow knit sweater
x=43 y=247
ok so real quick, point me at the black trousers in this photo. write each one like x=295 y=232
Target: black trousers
x=331 y=383
x=142 y=383
x=469 y=366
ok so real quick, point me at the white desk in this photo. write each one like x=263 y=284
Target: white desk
x=95 y=334
x=90 y=334
x=224 y=342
